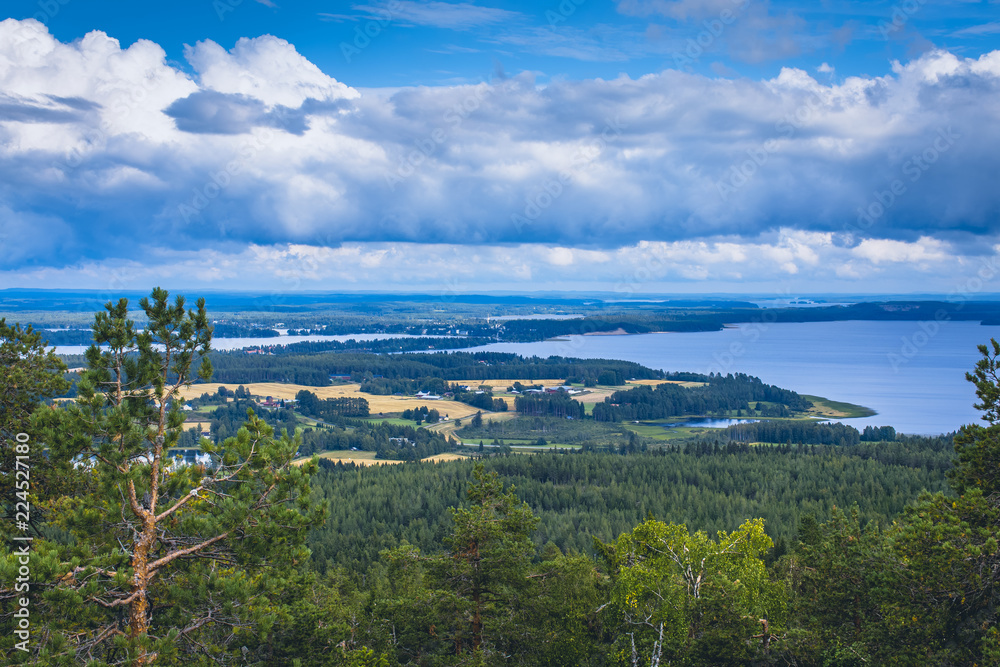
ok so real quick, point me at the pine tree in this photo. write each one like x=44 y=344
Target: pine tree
x=30 y=374
x=485 y=569
x=164 y=559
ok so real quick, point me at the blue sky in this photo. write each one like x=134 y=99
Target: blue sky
x=406 y=43
x=639 y=145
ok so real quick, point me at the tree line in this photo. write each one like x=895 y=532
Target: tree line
x=316 y=369
x=720 y=394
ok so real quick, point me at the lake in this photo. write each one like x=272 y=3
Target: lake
x=709 y=422
x=223 y=344
x=912 y=374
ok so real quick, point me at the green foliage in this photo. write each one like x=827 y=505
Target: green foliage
x=577 y=496
x=310 y=405
x=978 y=447
x=790 y=432
x=157 y=561
x=552 y=405
x=138 y=560
x=483 y=571
x=30 y=374
x=681 y=595
x=838 y=576
x=304 y=363
x=721 y=394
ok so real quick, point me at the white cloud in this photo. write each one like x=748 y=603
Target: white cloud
x=767 y=263
x=573 y=167
x=265 y=68
x=923 y=252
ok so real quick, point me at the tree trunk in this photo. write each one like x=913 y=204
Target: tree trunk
x=138 y=621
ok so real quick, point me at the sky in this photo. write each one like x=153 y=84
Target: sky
x=626 y=146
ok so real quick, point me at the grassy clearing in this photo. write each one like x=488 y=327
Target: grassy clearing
x=658 y=431
x=824 y=407
x=648 y=430
x=395 y=421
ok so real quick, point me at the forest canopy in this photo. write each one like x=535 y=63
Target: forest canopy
x=871 y=548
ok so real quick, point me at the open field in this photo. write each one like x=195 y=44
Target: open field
x=368 y=458
x=659 y=431
x=204 y=425
x=595 y=396
x=447 y=456
x=348 y=456
x=377 y=404
x=395 y=421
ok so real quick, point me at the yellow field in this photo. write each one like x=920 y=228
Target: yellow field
x=203 y=425
x=348 y=456
x=447 y=456
x=396 y=404
x=595 y=396
x=376 y=404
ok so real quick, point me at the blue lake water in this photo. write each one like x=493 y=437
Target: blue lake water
x=711 y=422
x=912 y=374
x=222 y=344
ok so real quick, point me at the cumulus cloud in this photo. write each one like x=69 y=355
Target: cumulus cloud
x=788 y=260
x=210 y=112
x=259 y=146
x=264 y=68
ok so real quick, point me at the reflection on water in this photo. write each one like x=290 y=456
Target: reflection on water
x=711 y=422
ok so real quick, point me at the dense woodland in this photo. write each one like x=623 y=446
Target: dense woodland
x=315 y=369
x=790 y=432
x=870 y=552
x=720 y=395
x=581 y=496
